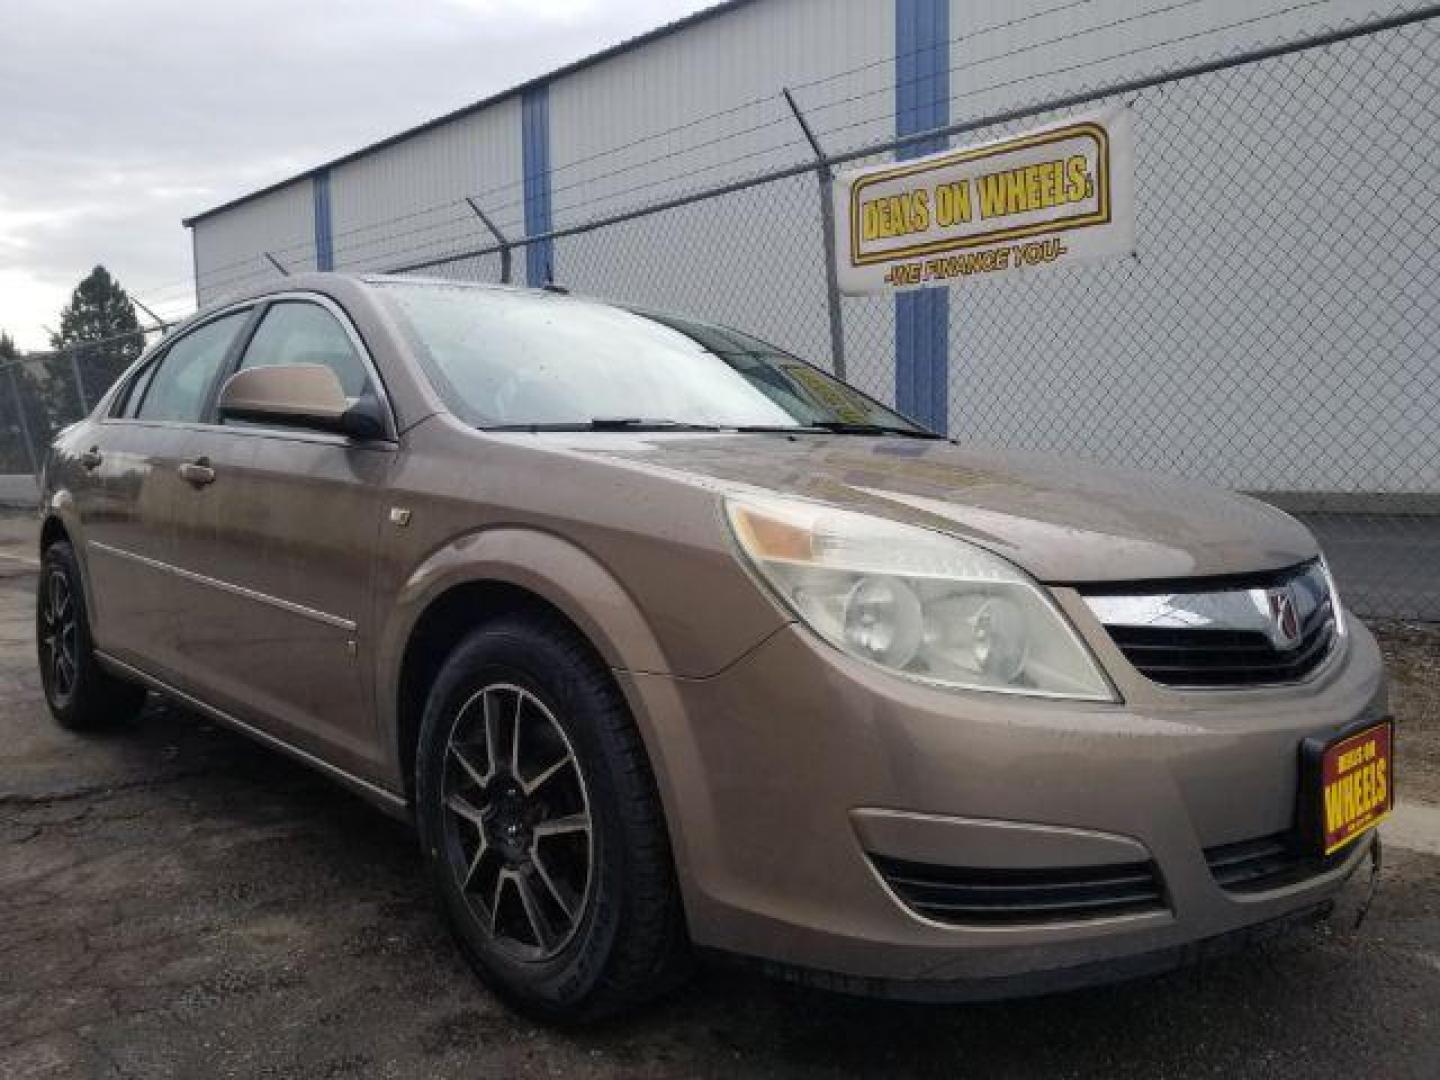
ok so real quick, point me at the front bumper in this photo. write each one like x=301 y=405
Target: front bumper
x=783 y=775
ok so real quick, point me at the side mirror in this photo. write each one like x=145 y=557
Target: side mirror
x=299 y=395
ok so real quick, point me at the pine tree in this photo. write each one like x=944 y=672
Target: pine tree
x=99 y=326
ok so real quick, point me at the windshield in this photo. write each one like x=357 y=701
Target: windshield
x=517 y=359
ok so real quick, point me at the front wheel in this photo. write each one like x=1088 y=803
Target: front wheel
x=540 y=819
x=81 y=695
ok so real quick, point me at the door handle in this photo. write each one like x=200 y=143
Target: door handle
x=92 y=458
x=197 y=473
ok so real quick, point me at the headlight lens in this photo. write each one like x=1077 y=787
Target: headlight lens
x=923 y=604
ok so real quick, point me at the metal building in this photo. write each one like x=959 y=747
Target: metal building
x=1243 y=324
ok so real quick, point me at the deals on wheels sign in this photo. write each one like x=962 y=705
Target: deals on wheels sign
x=1044 y=198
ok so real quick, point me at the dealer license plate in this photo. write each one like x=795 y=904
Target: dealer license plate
x=1352 y=781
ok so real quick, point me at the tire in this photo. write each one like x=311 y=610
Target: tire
x=588 y=922
x=82 y=696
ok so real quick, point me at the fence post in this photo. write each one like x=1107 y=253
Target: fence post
x=505 y=244
x=827 y=224
x=153 y=318
x=24 y=423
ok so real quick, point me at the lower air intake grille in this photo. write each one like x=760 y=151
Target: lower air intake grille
x=1271 y=862
x=967 y=896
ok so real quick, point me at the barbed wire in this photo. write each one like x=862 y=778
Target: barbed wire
x=1202 y=358
x=1050 y=73
x=306 y=243
x=303 y=243
x=512 y=222
x=429 y=235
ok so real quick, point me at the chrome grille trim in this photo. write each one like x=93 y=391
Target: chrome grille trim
x=1266 y=630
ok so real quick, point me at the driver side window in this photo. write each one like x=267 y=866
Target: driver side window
x=180 y=384
x=296 y=332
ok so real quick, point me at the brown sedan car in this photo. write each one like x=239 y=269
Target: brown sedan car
x=667 y=640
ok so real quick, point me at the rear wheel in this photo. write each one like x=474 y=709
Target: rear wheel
x=81 y=695
x=539 y=815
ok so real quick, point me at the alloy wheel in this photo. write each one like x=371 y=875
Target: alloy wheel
x=518 y=832
x=59 y=629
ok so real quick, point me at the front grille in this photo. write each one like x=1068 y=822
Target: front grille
x=1271 y=862
x=1191 y=636
x=970 y=896
x=1209 y=657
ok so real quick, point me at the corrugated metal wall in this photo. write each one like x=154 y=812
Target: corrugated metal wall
x=229 y=247
x=1222 y=376
x=1096 y=42
x=702 y=106
x=737 y=62
x=404 y=199
x=406 y=202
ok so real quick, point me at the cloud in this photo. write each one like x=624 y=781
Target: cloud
x=118 y=119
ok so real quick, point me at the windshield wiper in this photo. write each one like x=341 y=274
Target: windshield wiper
x=633 y=423
x=850 y=427
x=608 y=423
x=639 y=423
x=847 y=427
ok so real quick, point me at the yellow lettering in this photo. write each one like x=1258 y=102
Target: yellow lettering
x=952 y=203
x=1033 y=187
x=895 y=215
x=992 y=195
x=919 y=210
x=1334 y=816
x=1077 y=179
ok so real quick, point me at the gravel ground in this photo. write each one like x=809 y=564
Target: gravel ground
x=176 y=901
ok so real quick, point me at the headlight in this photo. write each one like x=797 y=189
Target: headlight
x=923 y=604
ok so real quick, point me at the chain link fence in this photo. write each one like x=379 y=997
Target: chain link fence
x=1276 y=332
x=40 y=393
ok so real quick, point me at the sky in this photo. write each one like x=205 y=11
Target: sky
x=117 y=119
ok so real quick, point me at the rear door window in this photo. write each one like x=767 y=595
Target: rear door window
x=180 y=387
x=296 y=332
x=127 y=401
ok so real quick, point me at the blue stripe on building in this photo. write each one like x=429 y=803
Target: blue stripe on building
x=922 y=102
x=535 y=168
x=324 y=243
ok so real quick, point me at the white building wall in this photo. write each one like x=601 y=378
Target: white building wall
x=1008 y=53
x=1245 y=328
x=230 y=246
x=405 y=202
x=754 y=259
x=1220 y=375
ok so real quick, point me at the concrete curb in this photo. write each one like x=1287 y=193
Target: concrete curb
x=1413 y=827
x=19 y=490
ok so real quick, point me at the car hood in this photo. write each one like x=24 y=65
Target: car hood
x=1062 y=520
